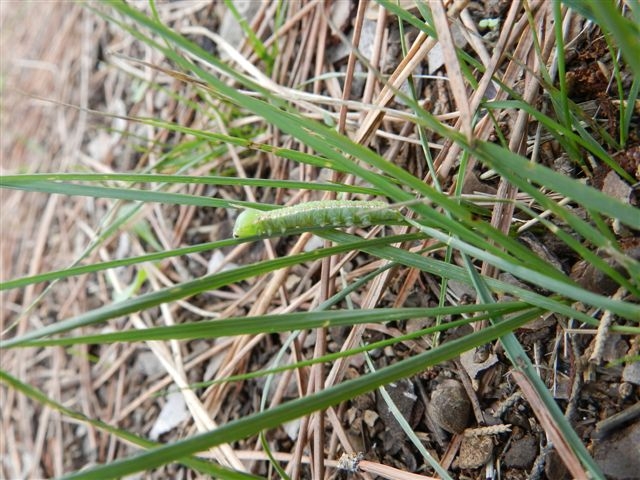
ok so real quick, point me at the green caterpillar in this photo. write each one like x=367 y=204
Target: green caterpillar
x=315 y=215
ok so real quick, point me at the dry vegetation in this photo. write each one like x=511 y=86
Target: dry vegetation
x=62 y=64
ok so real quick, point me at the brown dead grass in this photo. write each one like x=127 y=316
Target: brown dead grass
x=45 y=50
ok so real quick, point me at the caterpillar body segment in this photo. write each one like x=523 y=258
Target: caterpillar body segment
x=314 y=215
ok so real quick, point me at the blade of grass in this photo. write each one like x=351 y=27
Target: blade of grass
x=203 y=466
x=8 y=180
x=571 y=291
x=331 y=144
x=520 y=360
x=514 y=166
x=100 y=266
x=273 y=323
x=193 y=287
x=452 y=272
x=276 y=416
x=406 y=428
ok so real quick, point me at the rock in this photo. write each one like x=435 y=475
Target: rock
x=474 y=366
x=475 y=451
x=555 y=468
x=631 y=373
x=402 y=393
x=522 y=453
x=450 y=407
x=619 y=454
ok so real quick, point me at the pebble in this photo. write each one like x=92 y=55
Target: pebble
x=450 y=407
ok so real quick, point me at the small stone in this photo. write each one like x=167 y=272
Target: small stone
x=555 y=468
x=475 y=451
x=450 y=407
x=615 y=187
x=625 y=390
x=522 y=453
x=631 y=373
x=370 y=417
x=619 y=455
x=474 y=365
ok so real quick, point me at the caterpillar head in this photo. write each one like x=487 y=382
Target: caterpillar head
x=246 y=224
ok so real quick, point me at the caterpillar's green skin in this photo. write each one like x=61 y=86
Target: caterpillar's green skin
x=314 y=215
